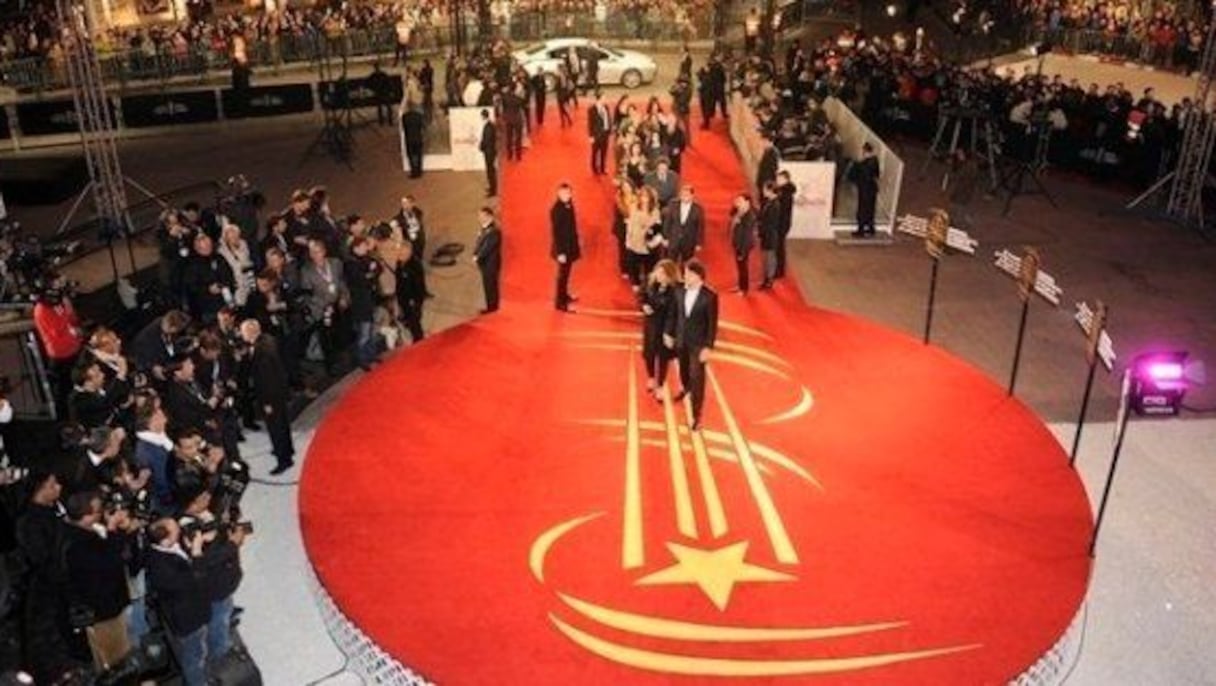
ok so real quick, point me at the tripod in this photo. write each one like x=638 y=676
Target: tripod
x=336 y=136
x=1022 y=167
x=982 y=142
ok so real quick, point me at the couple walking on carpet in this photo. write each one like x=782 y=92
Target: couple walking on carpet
x=680 y=315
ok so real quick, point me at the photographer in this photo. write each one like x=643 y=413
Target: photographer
x=219 y=567
x=101 y=445
x=45 y=619
x=208 y=280
x=322 y=277
x=193 y=466
x=95 y=559
x=155 y=346
x=189 y=404
x=215 y=374
x=363 y=273
x=89 y=405
x=153 y=450
x=59 y=330
x=176 y=579
x=175 y=239
x=105 y=348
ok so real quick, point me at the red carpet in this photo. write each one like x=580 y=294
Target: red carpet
x=496 y=507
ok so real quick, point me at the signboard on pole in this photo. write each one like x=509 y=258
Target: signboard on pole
x=956 y=239
x=1093 y=324
x=1044 y=283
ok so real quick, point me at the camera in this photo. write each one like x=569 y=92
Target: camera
x=138 y=505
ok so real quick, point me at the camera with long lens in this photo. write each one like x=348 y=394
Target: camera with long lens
x=137 y=505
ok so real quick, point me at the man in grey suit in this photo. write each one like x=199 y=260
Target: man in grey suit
x=664 y=182
x=322 y=279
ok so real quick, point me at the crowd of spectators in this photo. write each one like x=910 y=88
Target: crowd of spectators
x=1103 y=130
x=1163 y=33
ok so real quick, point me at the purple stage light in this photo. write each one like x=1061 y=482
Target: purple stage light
x=1158 y=382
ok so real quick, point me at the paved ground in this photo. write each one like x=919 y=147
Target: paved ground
x=1149 y=619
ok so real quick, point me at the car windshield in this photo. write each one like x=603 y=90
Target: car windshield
x=535 y=47
x=610 y=51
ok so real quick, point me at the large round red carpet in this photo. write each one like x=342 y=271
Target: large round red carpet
x=504 y=504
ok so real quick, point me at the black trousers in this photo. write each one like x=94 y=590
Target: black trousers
x=491 y=173
x=539 y=107
x=413 y=152
x=599 y=155
x=563 y=111
x=411 y=315
x=692 y=378
x=562 y=297
x=489 y=284
x=781 y=254
x=515 y=140
x=741 y=267
x=278 y=425
x=638 y=266
x=656 y=356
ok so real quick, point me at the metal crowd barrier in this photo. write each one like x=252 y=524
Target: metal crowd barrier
x=35 y=74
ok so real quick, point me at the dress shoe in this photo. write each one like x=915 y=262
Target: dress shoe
x=487 y=310
x=282 y=467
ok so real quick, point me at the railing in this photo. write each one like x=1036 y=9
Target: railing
x=123 y=67
x=1092 y=42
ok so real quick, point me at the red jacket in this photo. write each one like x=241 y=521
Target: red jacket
x=59 y=329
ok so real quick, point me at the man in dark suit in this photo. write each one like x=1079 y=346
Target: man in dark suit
x=269 y=384
x=685 y=226
x=380 y=84
x=177 y=579
x=599 y=127
x=771 y=237
x=865 y=175
x=514 y=108
x=766 y=168
x=409 y=218
x=785 y=202
x=413 y=122
x=487 y=255
x=565 y=248
x=539 y=88
x=489 y=151
x=693 y=332
x=742 y=238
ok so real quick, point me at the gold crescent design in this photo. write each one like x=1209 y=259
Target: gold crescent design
x=690 y=665
x=659 y=627
x=540 y=547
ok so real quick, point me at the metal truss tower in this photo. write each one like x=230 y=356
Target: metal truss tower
x=1185 y=202
x=96 y=122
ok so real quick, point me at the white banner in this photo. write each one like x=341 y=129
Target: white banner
x=815 y=183
x=465 y=131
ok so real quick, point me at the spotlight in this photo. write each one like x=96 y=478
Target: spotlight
x=892 y=9
x=1159 y=381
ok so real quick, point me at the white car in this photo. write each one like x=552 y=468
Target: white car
x=625 y=67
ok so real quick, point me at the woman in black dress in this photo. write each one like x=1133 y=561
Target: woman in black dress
x=658 y=303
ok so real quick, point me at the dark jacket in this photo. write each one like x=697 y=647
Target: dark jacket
x=684 y=237
x=220 y=568
x=661 y=301
x=489 y=140
x=97 y=572
x=785 y=198
x=179 y=589
x=565 y=231
x=743 y=232
x=268 y=377
x=488 y=249
x=599 y=125
x=200 y=274
x=698 y=329
x=362 y=274
x=766 y=169
x=770 y=224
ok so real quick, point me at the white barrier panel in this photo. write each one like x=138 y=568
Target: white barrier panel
x=465 y=133
x=853 y=133
x=815 y=182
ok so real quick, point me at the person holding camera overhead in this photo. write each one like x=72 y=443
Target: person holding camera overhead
x=219 y=566
x=175 y=575
x=95 y=552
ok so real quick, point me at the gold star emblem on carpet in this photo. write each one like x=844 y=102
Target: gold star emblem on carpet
x=716 y=572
